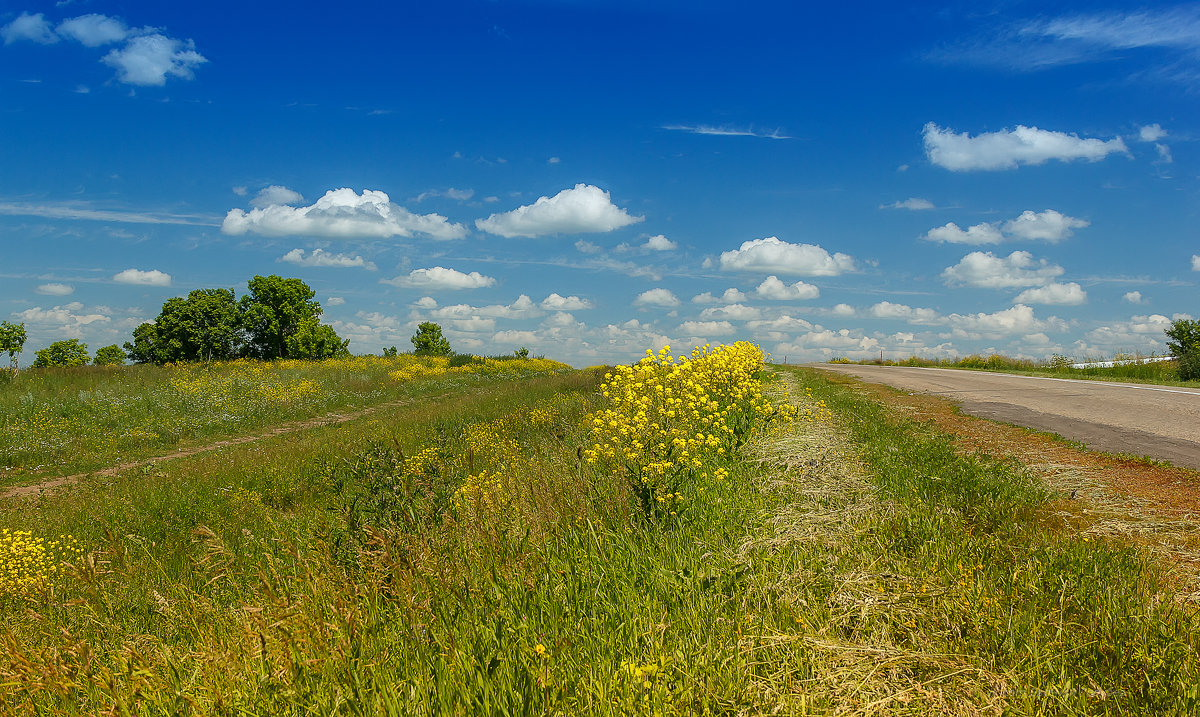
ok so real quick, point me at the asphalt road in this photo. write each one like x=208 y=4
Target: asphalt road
x=1160 y=422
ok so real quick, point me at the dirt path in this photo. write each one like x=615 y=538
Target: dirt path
x=329 y=419
x=1153 y=505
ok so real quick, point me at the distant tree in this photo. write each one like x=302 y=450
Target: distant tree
x=206 y=326
x=428 y=341
x=68 y=352
x=521 y=352
x=274 y=310
x=390 y=352
x=12 y=341
x=110 y=355
x=315 y=341
x=1184 y=342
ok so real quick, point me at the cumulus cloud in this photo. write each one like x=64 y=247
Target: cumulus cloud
x=1133 y=297
x=1008 y=149
x=657 y=297
x=439 y=277
x=54 y=289
x=1195 y=262
x=827 y=342
x=1048 y=225
x=737 y=312
x=153 y=277
x=586 y=247
x=774 y=289
x=343 y=214
x=912 y=315
x=783 y=324
x=275 y=194
x=520 y=338
x=658 y=242
x=335 y=301
x=461 y=195
x=1151 y=133
x=985 y=270
x=522 y=308
x=842 y=310
x=913 y=203
x=426 y=302
x=147 y=60
x=773 y=255
x=1139 y=333
x=583 y=209
x=1019 y=319
x=731 y=295
x=29 y=27
x=1071 y=294
x=66 y=319
x=322 y=258
x=93 y=30
x=706 y=328
x=554 y=302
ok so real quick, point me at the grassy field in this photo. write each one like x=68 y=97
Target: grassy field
x=695 y=538
x=1165 y=373
x=71 y=419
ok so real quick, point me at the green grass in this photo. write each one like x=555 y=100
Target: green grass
x=856 y=564
x=1165 y=373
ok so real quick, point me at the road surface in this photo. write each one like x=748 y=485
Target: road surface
x=1160 y=422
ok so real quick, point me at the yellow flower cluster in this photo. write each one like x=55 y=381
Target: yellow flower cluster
x=233 y=385
x=29 y=564
x=670 y=418
x=423 y=367
x=415 y=367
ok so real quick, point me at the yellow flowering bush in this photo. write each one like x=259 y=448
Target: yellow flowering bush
x=669 y=419
x=30 y=564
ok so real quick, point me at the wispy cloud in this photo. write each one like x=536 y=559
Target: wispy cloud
x=726 y=131
x=79 y=211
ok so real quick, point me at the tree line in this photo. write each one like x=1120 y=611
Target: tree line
x=277 y=319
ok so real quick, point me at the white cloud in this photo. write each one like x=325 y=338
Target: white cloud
x=1133 y=297
x=153 y=277
x=783 y=324
x=706 y=328
x=553 y=160
x=342 y=213
x=771 y=254
x=726 y=131
x=983 y=269
x=914 y=203
x=1151 y=133
x=774 y=289
x=473 y=324
x=322 y=258
x=29 y=27
x=1164 y=154
x=1008 y=149
x=737 y=312
x=275 y=194
x=93 y=30
x=1195 y=262
x=1019 y=319
x=1048 y=225
x=586 y=247
x=1140 y=333
x=521 y=338
x=554 y=302
x=426 y=302
x=1071 y=294
x=54 y=289
x=976 y=234
x=522 y=308
x=461 y=195
x=335 y=301
x=658 y=242
x=917 y=315
x=147 y=60
x=572 y=211
x=842 y=310
x=827 y=342
x=440 y=277
x=240 y=190
x=64 y=319
x=731 y=295
x=656 y=297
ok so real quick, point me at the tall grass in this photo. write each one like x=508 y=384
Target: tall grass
x=1158 y=372
x=462 y=556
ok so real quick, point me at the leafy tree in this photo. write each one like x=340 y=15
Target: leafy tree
x=521 y=353
x=12 y=341
x=428 y=341
x=274 y=310
x=206 y=326
x=110 y=355
x=390 y=352
x=68 y=352
x=315 y=341
x=1184 y=342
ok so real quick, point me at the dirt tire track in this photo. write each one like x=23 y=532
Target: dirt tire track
x=329 y=419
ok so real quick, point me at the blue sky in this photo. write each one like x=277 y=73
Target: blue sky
x=591 y=179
